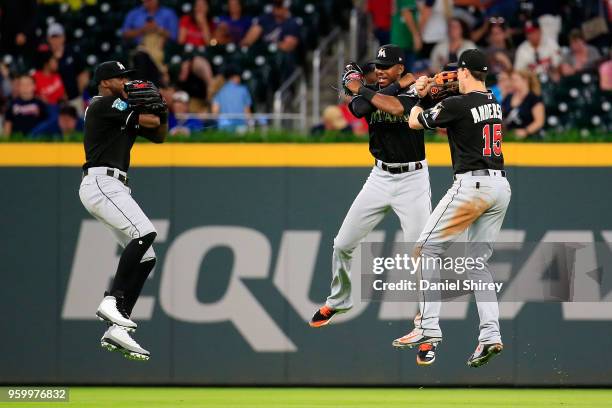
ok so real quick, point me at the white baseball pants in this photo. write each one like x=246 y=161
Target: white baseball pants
x=477 y=204
x=407 y=194
x=111 y=202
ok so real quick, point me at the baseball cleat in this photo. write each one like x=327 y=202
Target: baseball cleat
x=414 y=338
x=117 y=338
x=483 y=353
x=426 y=354
x=323 y=316
x=111 y=310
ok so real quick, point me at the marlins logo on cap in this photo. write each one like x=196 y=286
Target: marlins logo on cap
x=389 y=55
x=111 y=69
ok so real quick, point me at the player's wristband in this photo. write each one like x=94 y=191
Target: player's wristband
x=367 y=93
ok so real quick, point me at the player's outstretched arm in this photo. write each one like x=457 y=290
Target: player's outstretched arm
x=362 y=105
x=385 y=103
x=371 y=100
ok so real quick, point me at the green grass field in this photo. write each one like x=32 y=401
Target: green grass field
x=98 y=397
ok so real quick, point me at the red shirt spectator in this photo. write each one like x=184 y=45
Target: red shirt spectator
x=380 y=10
x=381 y=13
x=196 y=28
x=49 y=87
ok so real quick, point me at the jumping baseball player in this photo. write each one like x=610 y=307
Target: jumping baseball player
x=122 y=111
x=399 y=180
x=476 y=202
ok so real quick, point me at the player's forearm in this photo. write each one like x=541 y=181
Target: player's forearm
x=148 y=120
x=389 y=104
x=155 y=135
x=385 y=103
x=361 y=107
x=413 y=120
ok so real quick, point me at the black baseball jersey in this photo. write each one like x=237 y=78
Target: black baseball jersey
x=110 y=130
x=391 y=139
x=474 y=125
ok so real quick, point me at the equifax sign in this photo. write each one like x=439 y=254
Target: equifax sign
x=291 y=272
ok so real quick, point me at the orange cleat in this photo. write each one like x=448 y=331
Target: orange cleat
x=323 y=316
x=426 y=354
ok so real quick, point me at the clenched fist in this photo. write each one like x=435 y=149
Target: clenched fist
x=422 y=85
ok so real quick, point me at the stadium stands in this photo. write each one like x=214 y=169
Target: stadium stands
x=93 y=33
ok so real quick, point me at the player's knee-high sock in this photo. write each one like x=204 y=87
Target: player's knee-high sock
x=136 y=284
x=128 y=263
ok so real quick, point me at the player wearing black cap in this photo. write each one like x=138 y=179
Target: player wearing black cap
x=476 y=202
x=399 y=179
x=111 y=127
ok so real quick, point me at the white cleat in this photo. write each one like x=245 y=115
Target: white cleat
x=117 y=338
x=415 y=338
x=110 y=312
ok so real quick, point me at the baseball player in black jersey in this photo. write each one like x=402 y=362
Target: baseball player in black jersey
x=399 y=180
x=111 y=126
x=476 y=202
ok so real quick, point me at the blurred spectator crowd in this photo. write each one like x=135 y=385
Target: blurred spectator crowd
x=550 y=61
x=217 y=57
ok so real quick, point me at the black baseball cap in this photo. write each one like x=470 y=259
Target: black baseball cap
x=111 y=69
x=474 y=60
x=389 y=55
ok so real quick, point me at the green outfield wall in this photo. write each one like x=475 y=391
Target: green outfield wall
x=243 y=261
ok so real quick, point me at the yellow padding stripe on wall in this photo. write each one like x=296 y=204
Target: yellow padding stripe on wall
x=294 y=155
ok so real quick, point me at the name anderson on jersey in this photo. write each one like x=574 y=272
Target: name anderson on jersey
x=486 y=112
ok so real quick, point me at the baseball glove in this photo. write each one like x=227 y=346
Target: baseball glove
x=144 y=97
x=445 y=84
x=352 y=72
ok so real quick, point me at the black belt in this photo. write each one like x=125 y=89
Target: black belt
x=110 y=172
x=398 y=169
x=484 y=172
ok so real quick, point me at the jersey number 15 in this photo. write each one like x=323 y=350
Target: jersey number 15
x=494 y=144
